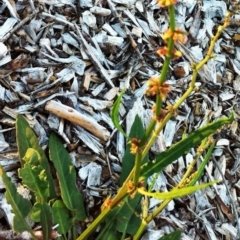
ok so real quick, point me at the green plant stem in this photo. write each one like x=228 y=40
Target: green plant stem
x=213 y=41
x=138 y=161
x=158 y=102
x=167 y=60
x=171 y=11
x=155 y=134
x=148 y=132
x=149 y=218
x=85 y=235
x=202 y=166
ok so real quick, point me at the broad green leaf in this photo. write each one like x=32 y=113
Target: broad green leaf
x=176 y=192
x=67 y=177
x=128 y=161
x=26 y=138
x=128 y=218
x=20 y=206
x=172 y=236
x=34 y=175
x=124 y=218
x=163 y=159
x=46 y=220
x=115 y=112
x=61 y=217
x=111 y=234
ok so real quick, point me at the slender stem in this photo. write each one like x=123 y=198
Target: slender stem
x=149 y=218
x=85 y=235
x=158 y=102
x=155 y=134
x=148 y=132
x=213 y=41
x=138 y=162
x=171 y=11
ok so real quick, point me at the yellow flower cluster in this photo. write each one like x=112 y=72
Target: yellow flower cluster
x=166 y=3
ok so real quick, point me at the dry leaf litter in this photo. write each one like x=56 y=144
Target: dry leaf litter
x=64 y=62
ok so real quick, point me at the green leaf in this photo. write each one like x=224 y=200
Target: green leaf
x=67 y=177
x=165 y=158
x=20 y=206
x=176 y=192
x=172 y=236
x=128 y=217
x=61 y=217
x=128 y=161
x=115 y=112
x=111 y=234
x=124 y=218
x=35 y=212
x=34 y=175
x=26 y=138
x=46 y=220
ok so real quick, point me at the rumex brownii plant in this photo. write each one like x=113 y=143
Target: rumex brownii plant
x=126 y=214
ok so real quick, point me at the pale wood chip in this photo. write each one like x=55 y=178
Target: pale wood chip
x=91 y=172
x=111 y=94
x=96 y=103
x=100 y=11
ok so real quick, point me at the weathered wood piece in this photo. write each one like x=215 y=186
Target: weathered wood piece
x=74 y=116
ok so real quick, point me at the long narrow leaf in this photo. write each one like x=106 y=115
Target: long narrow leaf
x=20 y=206
x=176 y=192
x=46 y=220
x=26 y=138
x=115 y=112
x=67 y=177
x=165 y=158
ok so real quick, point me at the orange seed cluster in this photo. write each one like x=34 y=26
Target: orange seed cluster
x=134 y=148
x=154 y=87
x=163 y=51
x=177 y=35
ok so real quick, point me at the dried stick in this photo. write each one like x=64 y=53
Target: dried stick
x=74 y=116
